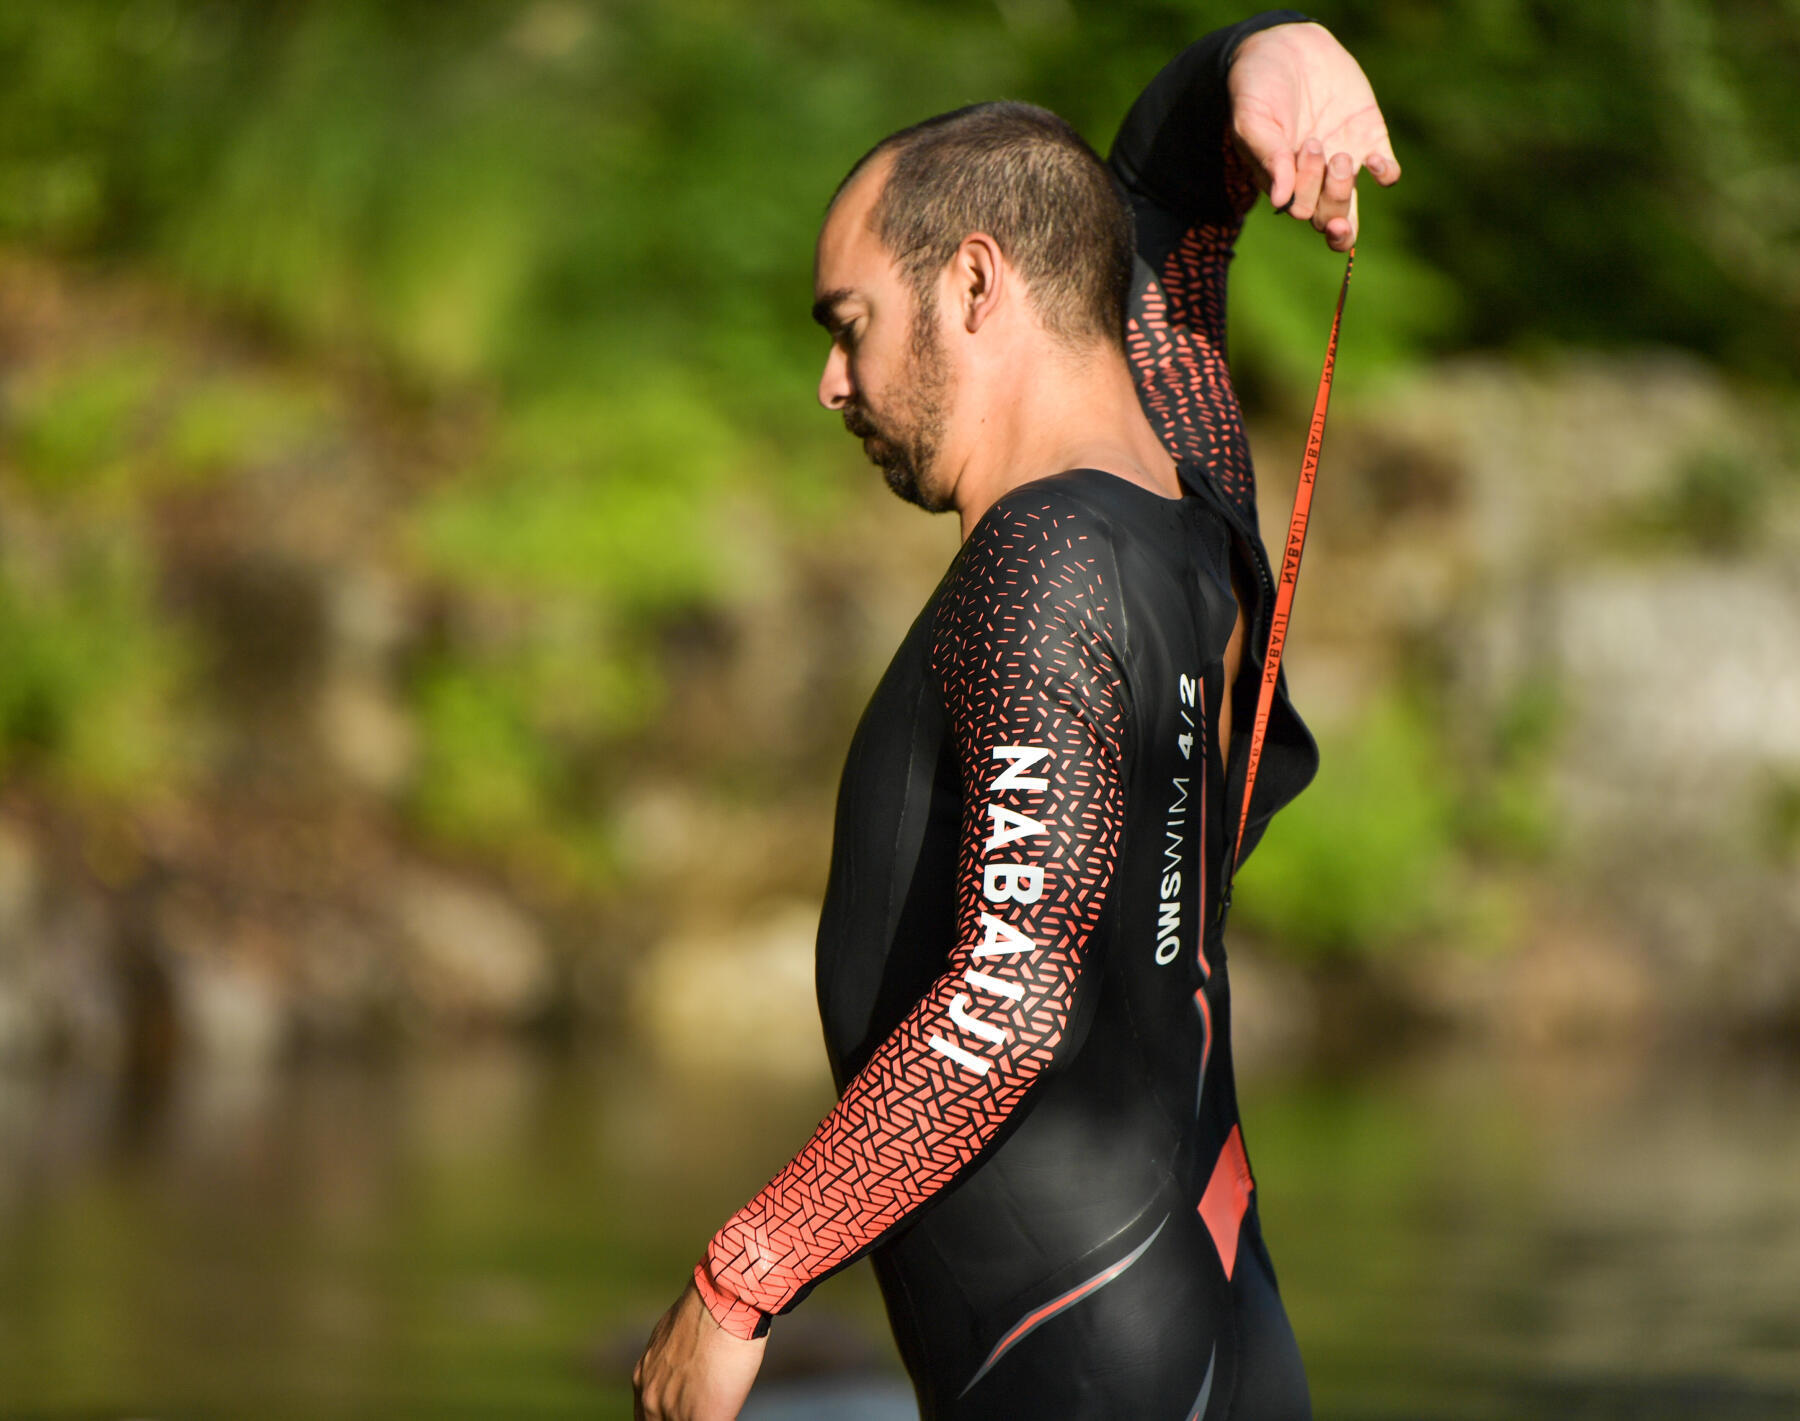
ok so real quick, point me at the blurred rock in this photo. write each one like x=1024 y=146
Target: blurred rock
x=229 y=980
x=365 y=734
x=348 y=981
x=1686 y=684
x=363 y=728
x=737 y=1001
x=469 y=956
x=231 y=1014
x=707 y=853
x=19 y=877
x=24 y=1024
x=1575 y=980
x=79 y=990
x=1617 y=542
x=1275 y=1008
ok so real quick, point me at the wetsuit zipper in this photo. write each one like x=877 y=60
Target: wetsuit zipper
x=1264 y=607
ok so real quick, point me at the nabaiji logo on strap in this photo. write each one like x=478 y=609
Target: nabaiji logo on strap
x=1290 y=573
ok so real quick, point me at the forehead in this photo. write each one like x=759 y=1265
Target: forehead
x=849 y=255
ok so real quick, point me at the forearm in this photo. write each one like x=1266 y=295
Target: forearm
x=934 y=1096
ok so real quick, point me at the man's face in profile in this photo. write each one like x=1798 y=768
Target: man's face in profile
x=887 y=372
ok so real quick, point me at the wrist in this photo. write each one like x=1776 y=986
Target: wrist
x=734 y=1315
x=1261 y=39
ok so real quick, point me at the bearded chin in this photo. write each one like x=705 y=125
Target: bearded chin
x=902 y=473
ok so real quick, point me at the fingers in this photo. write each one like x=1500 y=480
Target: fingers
x=1309 y=175
x=1333 y=213
x=1340 y=232
x=1264 y=146
x=1324 y=192
x=639 y=1410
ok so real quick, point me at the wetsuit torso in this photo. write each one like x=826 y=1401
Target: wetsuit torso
x=1021 y=964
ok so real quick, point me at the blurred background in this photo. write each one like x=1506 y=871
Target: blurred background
x=433 y=612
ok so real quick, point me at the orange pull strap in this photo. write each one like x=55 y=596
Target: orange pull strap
x=1290 y=571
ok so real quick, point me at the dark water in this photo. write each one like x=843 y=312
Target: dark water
x=490 y=1233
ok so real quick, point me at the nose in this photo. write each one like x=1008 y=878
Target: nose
x=834 y=382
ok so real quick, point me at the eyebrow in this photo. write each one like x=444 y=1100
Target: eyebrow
x=825 y=308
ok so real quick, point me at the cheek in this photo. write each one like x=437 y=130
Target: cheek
x=869 y=379
x=875 y=364
x=897 y=383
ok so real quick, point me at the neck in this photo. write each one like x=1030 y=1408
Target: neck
x=1063 y=413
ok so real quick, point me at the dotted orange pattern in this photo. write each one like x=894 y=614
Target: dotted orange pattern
x=1024 y=647
x=1175 y=339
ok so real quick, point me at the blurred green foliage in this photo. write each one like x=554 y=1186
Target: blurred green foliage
x=91 y=694
x=1504 y=807
x=108 y=429
x=516 y=737
x=582 y=497
x=71 y=430
x=551 y=191
x=1375 y=854
x=595 y=220
x=1355 y=864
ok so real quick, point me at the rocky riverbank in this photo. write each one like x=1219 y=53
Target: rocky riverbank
x=278 y=771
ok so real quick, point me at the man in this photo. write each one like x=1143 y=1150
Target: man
x=1021 y=964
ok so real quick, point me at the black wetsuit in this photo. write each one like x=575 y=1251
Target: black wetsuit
x=1021 y=965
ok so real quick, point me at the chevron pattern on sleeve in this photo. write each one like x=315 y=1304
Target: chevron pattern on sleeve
x=1025 y=650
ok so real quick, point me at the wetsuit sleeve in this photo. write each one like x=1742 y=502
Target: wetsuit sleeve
x=1027 y=651
x=1189 y=191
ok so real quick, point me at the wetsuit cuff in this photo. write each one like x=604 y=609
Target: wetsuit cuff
x=737 y=1317
x=1243 y=29
x=1171 y=144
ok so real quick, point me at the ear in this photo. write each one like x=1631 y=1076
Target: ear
x=980 y=275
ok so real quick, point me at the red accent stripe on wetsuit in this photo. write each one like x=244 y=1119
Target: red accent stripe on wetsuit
x=1024 y=651
x=1226 y=1199
x=1037 y=1317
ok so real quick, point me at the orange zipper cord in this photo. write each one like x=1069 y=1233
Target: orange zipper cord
x=1290 y=569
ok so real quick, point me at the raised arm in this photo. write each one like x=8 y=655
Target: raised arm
x=1171 y=152
x=1189 y=188
x=1025 y=651
x=1272 y=103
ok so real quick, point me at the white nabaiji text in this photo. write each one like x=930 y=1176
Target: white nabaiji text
x=1001 y=883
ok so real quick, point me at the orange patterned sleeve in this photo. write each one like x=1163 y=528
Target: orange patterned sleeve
x=1190 y=191
x=1025 y=651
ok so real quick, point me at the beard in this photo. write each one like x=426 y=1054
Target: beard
x=904 y=443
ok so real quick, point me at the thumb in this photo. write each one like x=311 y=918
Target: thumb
x=1280 y=168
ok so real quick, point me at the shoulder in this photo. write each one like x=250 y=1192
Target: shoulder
x=1066 y=518
x=1042 y=563
x=1083 y=517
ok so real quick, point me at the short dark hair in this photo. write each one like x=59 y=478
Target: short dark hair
x=1026 y=178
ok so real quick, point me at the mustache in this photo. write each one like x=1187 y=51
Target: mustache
x=857 y=421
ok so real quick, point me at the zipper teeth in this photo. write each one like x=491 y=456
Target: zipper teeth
x=1239 y=523
x=1266 y=581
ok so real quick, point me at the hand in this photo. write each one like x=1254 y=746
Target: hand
x=693 y=1369
x=1304 y=116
